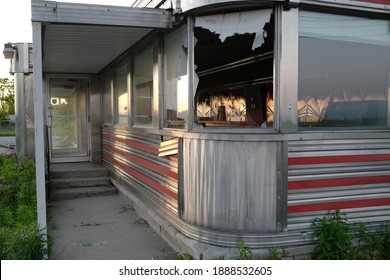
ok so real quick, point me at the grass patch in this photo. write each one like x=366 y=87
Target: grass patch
x=6 y=129
x=7 y=133
x=20 y=237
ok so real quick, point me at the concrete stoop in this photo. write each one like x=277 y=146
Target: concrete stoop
x=78 y=180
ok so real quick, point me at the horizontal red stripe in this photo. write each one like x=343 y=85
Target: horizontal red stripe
x=142 y=177
x=142 y=162
x=130 y=143
x=338 y=159
x=382 y=2
x=339 y=205
x=309 y=184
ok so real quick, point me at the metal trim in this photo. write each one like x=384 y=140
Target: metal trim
x=346 y=5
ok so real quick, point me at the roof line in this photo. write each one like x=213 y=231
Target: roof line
x=72 y=13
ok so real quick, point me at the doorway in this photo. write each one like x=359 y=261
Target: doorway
x=68 y=120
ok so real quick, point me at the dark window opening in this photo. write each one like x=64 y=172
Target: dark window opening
x=235 y=71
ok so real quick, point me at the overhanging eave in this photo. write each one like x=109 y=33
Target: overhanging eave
x=72 y=13
x=84 y=38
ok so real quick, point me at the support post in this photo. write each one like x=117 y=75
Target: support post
x=39 y=132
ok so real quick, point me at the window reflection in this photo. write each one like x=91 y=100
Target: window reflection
x=122 y=96
x=143 y=88
x=107 y=99
x=344 y=66
x=176 y=79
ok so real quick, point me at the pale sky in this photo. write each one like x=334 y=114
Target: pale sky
x=15 y=22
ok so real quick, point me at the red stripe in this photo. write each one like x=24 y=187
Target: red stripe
x=142 y=177
x=382 y=2
x=142 y=162
x=339 y=205
x=337 y=182
x=338 y=159
x=130 y=143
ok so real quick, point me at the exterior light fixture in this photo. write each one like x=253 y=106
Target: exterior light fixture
x=9 y=51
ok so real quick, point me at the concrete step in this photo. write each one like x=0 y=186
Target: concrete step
x=72 y=193
x=75 y=182
x=77 y=171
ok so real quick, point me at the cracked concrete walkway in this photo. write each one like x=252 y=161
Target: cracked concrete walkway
x=102 y=228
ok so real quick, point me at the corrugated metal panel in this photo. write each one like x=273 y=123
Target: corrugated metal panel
x=351 y=175
x=133 y=160
x=230 y=185
x=85 y=48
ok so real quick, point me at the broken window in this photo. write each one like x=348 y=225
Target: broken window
x=234 y=65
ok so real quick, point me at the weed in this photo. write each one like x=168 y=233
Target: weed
x=245 y=252
x=275 y=254
x=334 y=239
x=186 y=257
x=374 y=244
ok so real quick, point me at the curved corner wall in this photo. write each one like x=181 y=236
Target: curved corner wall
x=230 y=185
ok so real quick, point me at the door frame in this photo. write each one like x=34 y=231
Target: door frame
x=69 y=159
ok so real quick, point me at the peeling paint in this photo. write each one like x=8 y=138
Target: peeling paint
x=227 y=25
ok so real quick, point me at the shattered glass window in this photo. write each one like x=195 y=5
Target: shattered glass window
x=234 y=69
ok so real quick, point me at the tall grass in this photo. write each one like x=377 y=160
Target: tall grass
x=20 y=237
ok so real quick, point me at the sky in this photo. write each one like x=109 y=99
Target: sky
x=15 y=22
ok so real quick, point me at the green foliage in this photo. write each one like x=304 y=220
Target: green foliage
x=7 y=97
x=274 y=254
x=186 y=257
x=334 y=239
x=245 y=252
x=374 y=244
x=22 y=242
x=20 y=237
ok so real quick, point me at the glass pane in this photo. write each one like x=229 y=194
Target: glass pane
x=143 y=88
x=68 y=117
x=176 y=80
x=122 y=96
x=344 y=66
x=107 y=98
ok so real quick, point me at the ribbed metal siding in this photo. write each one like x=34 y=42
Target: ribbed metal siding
x=134 y=162
x=96 y=46
x=351 y=175
x=230 y=185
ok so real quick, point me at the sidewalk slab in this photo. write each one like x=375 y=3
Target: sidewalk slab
x=102 y=228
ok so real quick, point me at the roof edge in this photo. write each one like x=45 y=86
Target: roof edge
x=76 y=13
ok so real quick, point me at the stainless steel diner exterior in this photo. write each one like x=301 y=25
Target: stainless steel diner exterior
x=305 y=86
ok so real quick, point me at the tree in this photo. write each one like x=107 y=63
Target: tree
x=7 y=96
